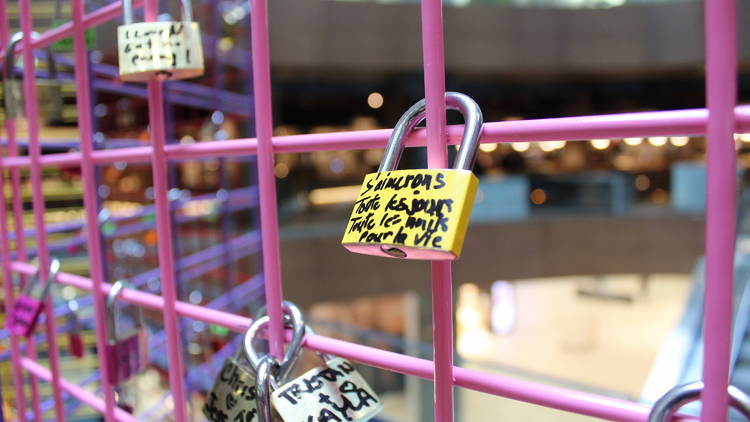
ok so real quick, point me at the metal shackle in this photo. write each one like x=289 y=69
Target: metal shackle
x=54 y=268
x=9 y=67
x=467 y=153
x=292 y=319
x=266 y=374
x=111 y=312
x=684 y=394
x=127 y=11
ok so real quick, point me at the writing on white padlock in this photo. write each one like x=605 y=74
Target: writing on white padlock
x=333 y=392
x=232 y=397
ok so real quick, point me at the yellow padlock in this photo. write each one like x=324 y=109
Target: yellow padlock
x=167 y=50
x=419 y=213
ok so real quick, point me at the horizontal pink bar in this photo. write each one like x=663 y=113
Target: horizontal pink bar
x=74 y=390
x=559 y=398
x=657 y=123
x=66 y=30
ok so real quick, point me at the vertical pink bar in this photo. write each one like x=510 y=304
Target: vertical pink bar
x=437 y=157
x=90 y=201
x=164 y=232
x=721 y=95
x=35 y=150
x=15 y=351
x=269 y=220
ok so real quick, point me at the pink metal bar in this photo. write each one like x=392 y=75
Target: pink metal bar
x=37 y=199
x=531 y=392
x=659 y=123
x=269 y=221
x=38 y=371
x=90 y=202
x=15 y=350
x=66 y=30
x=721 y=96
x=164 y=232
x=437 y=157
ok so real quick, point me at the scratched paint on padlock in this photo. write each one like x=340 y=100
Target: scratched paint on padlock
x=173 y=48
x=424 y=212
x=332 y=393
x=232 y=398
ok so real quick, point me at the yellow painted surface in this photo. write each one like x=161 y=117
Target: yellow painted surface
x=421 y=212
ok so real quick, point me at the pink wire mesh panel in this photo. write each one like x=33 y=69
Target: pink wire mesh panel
x=718 y=121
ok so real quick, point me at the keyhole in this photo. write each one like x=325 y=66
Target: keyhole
x=392 y=251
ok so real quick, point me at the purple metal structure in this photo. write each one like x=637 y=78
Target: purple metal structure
x=719 y=121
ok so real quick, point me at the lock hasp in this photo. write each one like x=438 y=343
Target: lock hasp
x=413 y=214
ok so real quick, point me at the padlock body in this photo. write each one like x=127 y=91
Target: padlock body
x=75 y=345
x=233 y=396
x=25 y=315
x=412 y=214
x=332 y=392
x=167 y=50
x=126 y=357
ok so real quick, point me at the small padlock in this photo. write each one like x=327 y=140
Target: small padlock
x=420 y=213
x=127 y=351
x=75 y=340
x=167 y=50
x=333 y=391
x=28 y=307
x=50 y=96
x=233 y=396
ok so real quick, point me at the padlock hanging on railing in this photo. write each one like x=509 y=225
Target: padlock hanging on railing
x=50 y=95
x=166 y=50
x=75 y=339
x=418 y=213
x=127 y=350
x=332 y=391
x=678 y=396
x=233 y=396
x=28 y=306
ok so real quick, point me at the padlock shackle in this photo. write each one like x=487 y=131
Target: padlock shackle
x=127 y=11
x=467 y=153
x=9 y=73
x=292 y=319
x=681 y=395
x=112 y=313
x=54 y=268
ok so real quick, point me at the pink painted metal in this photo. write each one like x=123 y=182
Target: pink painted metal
x=437 y=157
x=724 y=119
x=164 y=232
x=721 y=97
x=37 y=200
x=90 y=202
x=690 y=122
x=269 y=221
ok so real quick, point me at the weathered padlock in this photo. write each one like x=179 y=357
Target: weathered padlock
x=75 y=340
x=29 y=305
x=167 y=50
x=233 y=396
x=331 y=392
x=50 y=94
x=127 y=351
x=420 y=213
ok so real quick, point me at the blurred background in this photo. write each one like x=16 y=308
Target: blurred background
x=582 y=266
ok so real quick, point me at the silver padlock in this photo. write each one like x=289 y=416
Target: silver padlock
x=127 y=350
x=50 y=94
x=30 y=304
x=681 y=395
x=334 y=391
x=166 y=50
x=233 y=396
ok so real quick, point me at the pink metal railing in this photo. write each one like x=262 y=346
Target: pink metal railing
x=719 y=122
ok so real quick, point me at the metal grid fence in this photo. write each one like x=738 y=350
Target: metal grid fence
x=719 y=121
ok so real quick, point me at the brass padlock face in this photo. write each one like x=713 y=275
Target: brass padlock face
x=412 y=214
x=334 y=392
x=233 y=396
x=168 y=50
